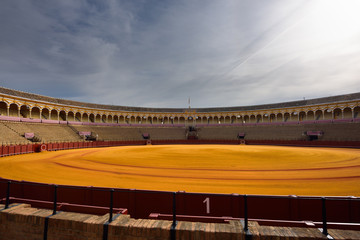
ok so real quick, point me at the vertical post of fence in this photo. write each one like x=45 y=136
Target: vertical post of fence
x=246 y=228
x=173 y=226
x=325 y=232
x=111 y=205
x=7 y=195
x=55 y=199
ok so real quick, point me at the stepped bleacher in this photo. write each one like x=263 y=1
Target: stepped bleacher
x=108 y=133
x=9 y=136
x=13 y=132
x=164 y=133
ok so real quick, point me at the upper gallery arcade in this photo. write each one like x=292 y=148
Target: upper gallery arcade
x=17 y=104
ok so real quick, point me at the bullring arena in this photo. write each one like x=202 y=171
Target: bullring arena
x=288 y=170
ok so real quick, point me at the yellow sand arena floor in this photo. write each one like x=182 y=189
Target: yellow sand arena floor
x=197 y=168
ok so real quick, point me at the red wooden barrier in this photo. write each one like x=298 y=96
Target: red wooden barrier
x=11 y=150
x=55 y=146
x=23 y=149
x=49 y=146
x=141 y=203
x=30 y=148
x=1 y=151
x=17 y=149
x=209 y=204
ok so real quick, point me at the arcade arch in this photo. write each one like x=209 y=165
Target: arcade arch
x=357 y=112
x=347 y=113
x=45 y=113
x=25 y=111
x=78 y=117
x=71 y=116
x=62 y=116
x=14 y=110
x=92 y=118
x=35 y=113
x=3 y=109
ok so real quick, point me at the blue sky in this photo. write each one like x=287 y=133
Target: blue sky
x=160 y=53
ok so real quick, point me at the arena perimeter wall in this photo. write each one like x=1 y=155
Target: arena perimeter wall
x=31 y=148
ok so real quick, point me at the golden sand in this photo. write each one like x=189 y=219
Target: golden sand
x=197 y=168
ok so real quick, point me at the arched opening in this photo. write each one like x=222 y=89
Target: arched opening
x=348 y=114
x=246 y=119
x=127 y=119
x=357 y=112
x=116 y=119
x=121 y=119
x=272 y=117
x=14 y=110
x=166 y=120
x=85 y=117
x=258 y=118
x=319 y=115
x=216 y=120
x=3 y=109
x=286 y=117
x=310 y=116
x=132 y=120
x=155 y=120
x=233 y=119
x=252 y=119
x=98 y=118
x=103 y=119
x=302 y=116
x=145 y=120
x=266 y=118
x=138 y=120
x=328 y=114
x=25 y=111
x=71 y=116
x=35 y=113
x=62 y=116
x=279 y=117
x=54 y=115
x=182 y=120
x=110 y=119
x=294 y=117
x=78 y=117
x=161 y=120
x=176 y=120
x=337 y=113
x=227 y=120
x=92 y=118
x=45 y=113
